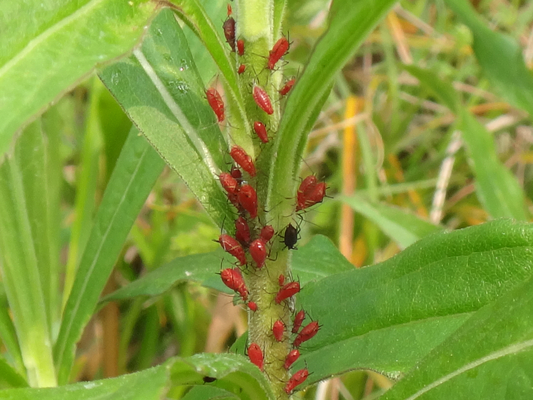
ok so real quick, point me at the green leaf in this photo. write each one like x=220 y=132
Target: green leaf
x=10 y=377
x=27 y=252
x=232 y=372
x=167 y=104
x=387 y=316
x=33 y=72
x=349 y=25
x=489 y=357
x=401 y=226
x=316 y=260
x=150 y=384
x=134 y=176
x=208 y=392
x=497 y=188
x=500 y=57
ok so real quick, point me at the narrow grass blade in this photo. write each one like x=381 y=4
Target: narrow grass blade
x=9 y=377
x=134 y=176
x=32 y=70
x=167 y=104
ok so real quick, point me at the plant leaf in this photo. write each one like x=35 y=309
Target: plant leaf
x=133 y=177
x=402 y=227
x=348 y=26
x=500 y=57
x=393 y=313
x=33 y=72
x=208 y=392
x=167 y=104
x=497 y=188
x=10 y=377
x=489 y=357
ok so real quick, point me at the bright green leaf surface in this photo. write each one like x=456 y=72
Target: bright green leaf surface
x=349 y=24
x=24 y=253
x=208 y=392
x=51 y=44
x=445 y=275
x=167 y=103
x=489 y=357
x=10 y=377
x=401 y=226
x=318 y=259
x=497 y=188
x=500 y=57
x=149 y=384
x=135 y=173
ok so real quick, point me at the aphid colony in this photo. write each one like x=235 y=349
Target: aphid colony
x=253 y=241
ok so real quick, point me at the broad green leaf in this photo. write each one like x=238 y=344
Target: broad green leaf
x=10 y=377
x=33 y=72
x=208 y=392
x=500 y=56
x=401 y=226
x=232 y=372
x=135 y=173
x=423 y=293
x=316 y=260
x=8 y=335
x=497 y=188
x=150 y=384
x=167 y=103
x=27 y=254
x=349 y=24
x=489 y=357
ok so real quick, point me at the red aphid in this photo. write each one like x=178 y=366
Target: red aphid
x=287 y=87
x=258 y=251
x=234 y=199
x=233 y=247
x=277 y=330
x=236 y=173
x=281 y=279
x=252 y=305
x=242 y=230
x=230 y=11
x=288 y=290
x=312 y=196
x=240 y=47
x=261 y=131
x=291 y=358
x=262 y=99
x=298 y=319
x=229 y=32
x=215 y=102
x=309 y=331
x=267 y=232
x=241 y=69
x=229 y=183
x=247 y=198
x=232 y=278
x=280 y=48
x=243 y=159
x=297 y=379
x=256 y=355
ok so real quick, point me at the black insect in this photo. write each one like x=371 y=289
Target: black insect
x=291 y=237
x=209 y=379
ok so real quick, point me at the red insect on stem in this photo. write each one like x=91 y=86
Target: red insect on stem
x=258 y=251
x=267 y=232
x=241 y=69
x=230 y=11
x=277 y=330
x=242 y=230
x=228 y=182
x=232 y=278
x=215 y=102
x=252 y=305
x=291 y=358
x=297 y=379
x=288 y=290
x=247 y=198
x=233 y=247
x=262 y=99
x=256 y=355
x=279 y=50
x=240 y=47
x=281 y=279
x=236 y=173
x=243 y=160
x=298 y=319
x=311 y=196
x=229 y=31
x=260 y=130
x=308 y=332
x=287 y=87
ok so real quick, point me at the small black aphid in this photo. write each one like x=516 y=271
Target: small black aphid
x=291 y=237
x=209 y=379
